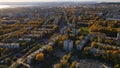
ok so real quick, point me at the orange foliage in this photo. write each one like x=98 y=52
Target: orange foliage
x=40 y=56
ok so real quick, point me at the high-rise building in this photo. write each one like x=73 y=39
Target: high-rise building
x=68 y=45
x=118 y=36
x=75 y=31
x=118 y=39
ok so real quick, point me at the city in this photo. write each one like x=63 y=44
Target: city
x=60 y=35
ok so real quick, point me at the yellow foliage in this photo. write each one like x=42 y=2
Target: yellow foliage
x=61 y=43
x=59 y=65
x=117 y=66
x=77 y=42
x=93 y=44
x=81 y=37
x=73 y=65
x=64 y=62
x=40 y=56
x=49 y=48
x=115 y=53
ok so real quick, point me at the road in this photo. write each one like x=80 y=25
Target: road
x=22 y=59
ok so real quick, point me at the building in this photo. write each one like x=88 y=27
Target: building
x=68 y=45
x=83 y=42
x=42 y=49
x=92 y=50
x=10 y=45
x=26 y=20
x=25 y=39
x=118 y=36
x=89 y=63
x=75 y=31
x=32 y=55
x=63 y=30
x=118 y=39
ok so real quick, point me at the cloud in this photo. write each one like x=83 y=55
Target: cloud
x=109 y=0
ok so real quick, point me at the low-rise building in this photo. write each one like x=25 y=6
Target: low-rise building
x=24 y=39
x=42 y=49
x=83 y=42
x=10 y=45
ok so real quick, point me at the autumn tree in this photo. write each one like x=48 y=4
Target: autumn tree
x=49 y=48
x=100 y=39
x=86 y=49
x=117 y=66
x=81 y=37
x=40 y=56
x=73 y=65
x=93 y=44
x=77 y=42
x=65 y=58
x=58 y=65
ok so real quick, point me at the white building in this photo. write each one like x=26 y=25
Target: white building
x=75 y=31
x=83 y=42
x=118 y=36
x=92 y=50
x=68 y=45
x=32 y=55
x=26 y=20
x=10 y=45
x=25 y=39
x=63 y=30
x=43 y=48
x=118 y=39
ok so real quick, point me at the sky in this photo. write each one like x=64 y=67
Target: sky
x=109 y=0
x=58 y=0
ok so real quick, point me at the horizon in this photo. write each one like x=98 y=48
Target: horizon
x=14 y=1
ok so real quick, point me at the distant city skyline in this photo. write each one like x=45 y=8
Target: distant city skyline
x=59 y=0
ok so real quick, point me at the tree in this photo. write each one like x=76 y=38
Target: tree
x=92 y=39
x=14 y=58
x=65 y=59
x=40 y=56
x=118 y=30
x=81 y=37
x=73 y=65
x=63 y=37
x=115 y=56
x=58 y=65
x=80 y=30
x=49 y=48
x=86 y=49
x=64 y=62
x=71 y=36
x=60 y=43
x=108 y=52
x=117 y=66
x=93 y=44
x=3 y=66
x=100 y=39
x=8 y=61
x=1 y=49
x=77 y=42
x=115 y=53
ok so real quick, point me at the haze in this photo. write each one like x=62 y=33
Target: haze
x=58 y=0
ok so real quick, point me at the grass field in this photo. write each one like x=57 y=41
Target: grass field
x=85 y=29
